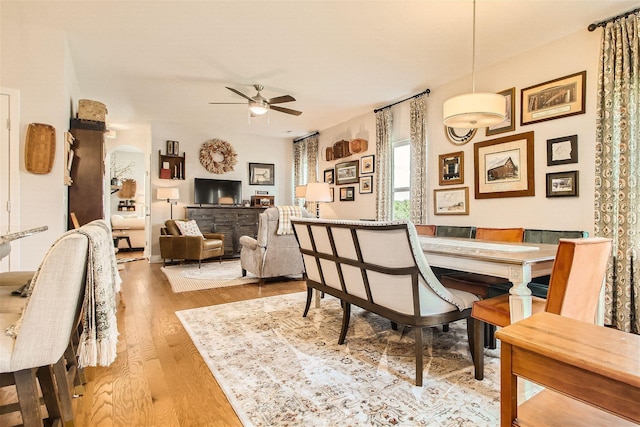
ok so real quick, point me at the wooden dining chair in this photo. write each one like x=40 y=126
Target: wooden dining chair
x=576 y=280
x=426 y=230
x=500 y=234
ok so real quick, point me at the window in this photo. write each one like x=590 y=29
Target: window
x=401 y=180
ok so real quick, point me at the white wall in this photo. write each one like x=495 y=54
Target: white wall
x=250 y=149
x=572 y=54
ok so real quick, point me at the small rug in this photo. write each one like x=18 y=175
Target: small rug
x=125 y=260
x=280 y=369
x=189 y=277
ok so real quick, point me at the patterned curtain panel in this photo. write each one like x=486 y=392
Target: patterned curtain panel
x=617 y=199
x=418 y=187
x=305 y=163
x=384 y=152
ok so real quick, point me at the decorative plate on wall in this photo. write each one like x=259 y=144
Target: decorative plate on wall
x=218 y=156
x=459 y=136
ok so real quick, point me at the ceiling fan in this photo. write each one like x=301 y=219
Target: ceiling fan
x=259 y=105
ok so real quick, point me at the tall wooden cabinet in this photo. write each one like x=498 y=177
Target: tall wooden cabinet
x=86 y=198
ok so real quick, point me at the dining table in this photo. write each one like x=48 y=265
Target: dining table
x=516 y=262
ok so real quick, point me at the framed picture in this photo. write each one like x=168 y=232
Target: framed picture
x=261 y=174
x=504 y=167
x=562 y=184
x=347 y=194
x=508 y=124
x=561 y=151
x=553 y=99
x=169 y=148
x=451 y=167
x=451 y=201
x=347 y=173
x=366 y=184
x=176 y=148
x=328 y=176
x=367 y=164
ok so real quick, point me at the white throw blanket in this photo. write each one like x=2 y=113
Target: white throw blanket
x=285 y=213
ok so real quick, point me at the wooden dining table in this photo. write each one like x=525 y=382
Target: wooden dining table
x=516 y=262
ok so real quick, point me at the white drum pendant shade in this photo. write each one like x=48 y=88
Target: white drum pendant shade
x=474 y=110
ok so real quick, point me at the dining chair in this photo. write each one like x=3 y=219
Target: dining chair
x=426 y=230
x=577 y=277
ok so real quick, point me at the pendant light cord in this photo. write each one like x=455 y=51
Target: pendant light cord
x=473 y=52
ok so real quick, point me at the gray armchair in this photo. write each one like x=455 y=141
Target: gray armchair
x=271 y=254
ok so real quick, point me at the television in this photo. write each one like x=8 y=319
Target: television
x=210 y=191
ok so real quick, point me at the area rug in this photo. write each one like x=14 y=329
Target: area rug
x=189 y=277
x=125 y=260
x=280 y=369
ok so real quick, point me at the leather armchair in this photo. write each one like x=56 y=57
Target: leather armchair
x=175 y=246
x=271 y=254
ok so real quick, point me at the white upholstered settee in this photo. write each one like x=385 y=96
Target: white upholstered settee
x=128 y=226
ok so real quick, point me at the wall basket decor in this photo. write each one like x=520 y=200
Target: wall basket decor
x=218 y=156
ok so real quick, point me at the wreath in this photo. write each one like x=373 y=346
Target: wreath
x=222 y=148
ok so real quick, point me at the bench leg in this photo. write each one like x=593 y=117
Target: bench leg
x=346 y=315
x=419 y=350
x=308 y=304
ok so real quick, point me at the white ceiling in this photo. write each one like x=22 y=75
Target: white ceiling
x=164 y=61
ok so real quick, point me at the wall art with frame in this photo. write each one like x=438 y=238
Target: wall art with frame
x=261 y=174
x=509 y=122
x=554 y=99
x=347 y=194
x=504 y=167
x=346 y=173
x=562 y=184
x=366 y=184
x=328 y=176
x=562 y=151
x=451 y=167
x=367 y=164
x=451 y=201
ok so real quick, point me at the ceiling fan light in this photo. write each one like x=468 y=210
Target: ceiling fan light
x=474 y=110
x=258 y=107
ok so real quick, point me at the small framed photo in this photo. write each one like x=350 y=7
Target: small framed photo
x=562 y=184
x=331 y=192
x=347 y=194
x=451 y=201
x=451 y=168
x=509 y=123
x=367 y=164
x=176 y=148
x=261 y=174
x=366 y=184
x=554 y=99
x=346 y=173
x=328 y=176
x=170 y=148
x=562 y=151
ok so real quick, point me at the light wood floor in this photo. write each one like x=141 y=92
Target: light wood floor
x=159 y=378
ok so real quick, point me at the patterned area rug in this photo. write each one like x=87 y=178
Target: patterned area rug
x=189 y=277
x=280 y=369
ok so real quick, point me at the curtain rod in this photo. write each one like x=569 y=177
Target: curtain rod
x=427 y=91
x=592 y=27
x=306 y=136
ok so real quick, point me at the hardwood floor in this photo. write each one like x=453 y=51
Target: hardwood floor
x=159 y=378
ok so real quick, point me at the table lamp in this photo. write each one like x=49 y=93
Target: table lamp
x=317 y=192
x=169 y=194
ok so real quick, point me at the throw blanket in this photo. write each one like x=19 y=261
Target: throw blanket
x=285 y=213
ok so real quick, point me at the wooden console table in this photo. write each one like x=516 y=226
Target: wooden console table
x=591 y=373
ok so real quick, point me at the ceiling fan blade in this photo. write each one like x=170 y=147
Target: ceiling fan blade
x=229 y=103
x=237 y=92
x=281 y=99
x=286 y=110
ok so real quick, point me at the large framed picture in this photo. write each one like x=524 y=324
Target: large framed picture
x=504 y=167
x=451 y=201
x=562 y=151
x=554 y=99
x=261 y=174
x=451 y=167
x=347 y=172
x=509 y=122
x=562 y=184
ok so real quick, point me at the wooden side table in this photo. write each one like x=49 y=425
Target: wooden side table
x=591 y=373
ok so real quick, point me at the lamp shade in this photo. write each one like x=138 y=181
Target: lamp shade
x=168 y=193
x=317 y=192
x=474 y=110
x=301 y=190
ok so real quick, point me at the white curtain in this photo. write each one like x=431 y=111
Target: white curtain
x=617 y=196
x=419 y=197
x=384 y=165
x=305 y=162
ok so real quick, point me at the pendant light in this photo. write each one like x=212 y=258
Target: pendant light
x=474 y=110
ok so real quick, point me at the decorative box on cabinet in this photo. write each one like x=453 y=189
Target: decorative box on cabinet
x=262 y=201
x=233 y=222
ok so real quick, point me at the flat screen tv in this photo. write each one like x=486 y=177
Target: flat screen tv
x=210 y=191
